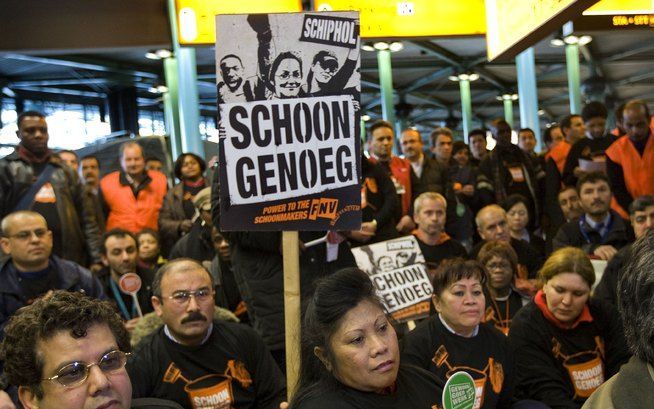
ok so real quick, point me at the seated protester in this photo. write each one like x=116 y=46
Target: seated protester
x=177 y=211
x=379 y=204
x=518 y=217
x=456 y=339
x=507 y=170
x=592 y=148
x=429 y=215
x=569 y=203
x=193 y=358
x=492 y=224
x=641 y=212
x=503 y=300
x=120 y=256
x=31 y=270
x=600 y=231
x=198 y=243
x=350 y=356
x=564 y=343
x=149 y=250
x=632 y=387
x=462 y=195
x=51 y=347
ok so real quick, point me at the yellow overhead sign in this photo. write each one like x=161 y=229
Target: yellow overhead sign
x=415 y=18
x=514 y=25
x=610 y=7
x=196 y=19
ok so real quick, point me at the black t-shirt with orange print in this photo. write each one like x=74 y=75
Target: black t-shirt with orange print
x=232 y=369
x=484 y=356
x=562 y=365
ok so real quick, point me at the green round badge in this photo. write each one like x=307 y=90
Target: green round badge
x=459 y=392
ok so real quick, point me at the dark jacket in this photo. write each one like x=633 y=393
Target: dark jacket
x=570 y=234
x=196 y=244
x=171 y=216
x=72 y=277
x=259 y=273
x=630 y=388
x=80 y=234
x=432 y=179
x=144 y=295
x=607 y=288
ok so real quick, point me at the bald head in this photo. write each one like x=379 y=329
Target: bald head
x=492 y=224
x=15 y=219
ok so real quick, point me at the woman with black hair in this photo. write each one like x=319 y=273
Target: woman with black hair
x=177 y=211
x=521 y=221
x=350 y=353
x=456 y=339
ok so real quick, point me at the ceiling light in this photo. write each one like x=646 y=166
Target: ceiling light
x=514 y=97
x=585 y=39
x=464 y=77
x=367 y=47
x=541 y=113
x=153 y=90
x=453 y=78
x=571 y=39
x=557 y=42
x=152 y=56
x=381 y=45
x=473 y=77
x=365 y=118
x=162 y=88
x=499 y=98
x=163 y=53
x=396 y=46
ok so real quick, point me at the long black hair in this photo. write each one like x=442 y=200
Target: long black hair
x=334 y=297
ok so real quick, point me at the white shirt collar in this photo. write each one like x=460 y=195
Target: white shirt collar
x=474 y=332
x=172 y=338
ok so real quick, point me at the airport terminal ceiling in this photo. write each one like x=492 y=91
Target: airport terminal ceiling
x=93 y=57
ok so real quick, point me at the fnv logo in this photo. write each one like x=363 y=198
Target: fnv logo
x=325 y=208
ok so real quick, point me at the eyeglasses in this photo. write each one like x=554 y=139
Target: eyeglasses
x=184 y=296
x=27 y=234
x=75 y=373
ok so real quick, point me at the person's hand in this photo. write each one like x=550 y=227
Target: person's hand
x=7 y=403
x=468 y=190
x=282 y=405
x=368 y=230
x=95 y=267
x=605 y=252
x=131 y=324
x=185 y=226
x=406 y=225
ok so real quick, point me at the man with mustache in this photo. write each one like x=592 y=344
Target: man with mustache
x=600 y=231
x=31 y=269
x=119 y=256
x=198 y=361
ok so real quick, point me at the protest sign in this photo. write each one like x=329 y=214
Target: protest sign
x=289 y=121
x=397 y=270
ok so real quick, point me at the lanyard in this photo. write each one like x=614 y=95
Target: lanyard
x=119 y=300
x=583 y=223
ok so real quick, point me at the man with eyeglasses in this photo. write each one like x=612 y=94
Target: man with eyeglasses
x=31 y=269
x=68 y=351
x=195 y=360
x=492 y=224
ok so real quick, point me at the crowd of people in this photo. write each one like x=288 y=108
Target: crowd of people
x=513 y=240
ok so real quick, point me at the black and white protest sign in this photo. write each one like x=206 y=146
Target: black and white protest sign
x=397 y=269
x=289 y=121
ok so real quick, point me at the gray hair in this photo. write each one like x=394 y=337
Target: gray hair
x=437 y=197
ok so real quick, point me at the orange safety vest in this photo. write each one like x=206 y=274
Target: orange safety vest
x=638 y=171
x=559 y=153
x=129 y=212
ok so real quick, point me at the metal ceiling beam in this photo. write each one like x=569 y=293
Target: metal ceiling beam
x=61 y=91
x=629 y=52
x=427 y=79
x=82 y=65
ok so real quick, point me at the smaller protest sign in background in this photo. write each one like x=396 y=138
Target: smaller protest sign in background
x=289 y=121
x=397 y=269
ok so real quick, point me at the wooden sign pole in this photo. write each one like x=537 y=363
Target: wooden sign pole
x=291 y=254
